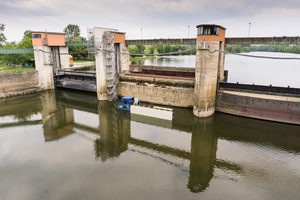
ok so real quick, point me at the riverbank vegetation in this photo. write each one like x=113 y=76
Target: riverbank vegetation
x=11 y=69
x=266 y=48
x=22 y=58
x=158 y=49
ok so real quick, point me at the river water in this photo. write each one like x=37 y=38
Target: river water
x=247 y=70
x=65 y=144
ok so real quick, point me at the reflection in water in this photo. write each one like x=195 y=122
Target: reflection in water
x=57 y=120
x=203 y=154
x=112 y=133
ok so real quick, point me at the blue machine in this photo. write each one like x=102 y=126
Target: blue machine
x=126 y=102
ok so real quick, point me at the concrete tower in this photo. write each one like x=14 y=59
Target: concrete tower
x=48 y=47
x=209 y=62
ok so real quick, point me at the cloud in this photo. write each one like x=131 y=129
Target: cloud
x=130 y=15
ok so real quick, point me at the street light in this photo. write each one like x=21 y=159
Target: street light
x=141 y=33
x=188 y=31
x=249 y=29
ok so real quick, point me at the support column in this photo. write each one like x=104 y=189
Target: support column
x=44 y=66
x=221 y=63
x=100 y=75
x=64 y=58
x=209 y=63
x=206 y=78
x=124 y=59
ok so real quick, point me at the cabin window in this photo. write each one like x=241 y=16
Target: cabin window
x=208 y=30
x=36 y=35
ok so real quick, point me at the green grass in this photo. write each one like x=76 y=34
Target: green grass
x=12 y=70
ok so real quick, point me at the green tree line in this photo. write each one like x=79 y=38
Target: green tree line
x=155 y=49
x=267 y=48
x=25 y=43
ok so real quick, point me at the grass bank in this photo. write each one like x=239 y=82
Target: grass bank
x=4 y=69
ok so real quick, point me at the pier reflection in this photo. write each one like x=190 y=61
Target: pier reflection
x=113 y=133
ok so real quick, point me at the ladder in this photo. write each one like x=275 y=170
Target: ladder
x=110 y=64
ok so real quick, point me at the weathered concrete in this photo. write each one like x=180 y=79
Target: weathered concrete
x=221 y=62
x=19 y=83
x=147 y=68
x=124 y=59
x=99 y=61
x=64 y=59
x=174 y=96
x=100 y=75
x=261 y=106
x=158 y=80
x=206 y=78
x=43 y=64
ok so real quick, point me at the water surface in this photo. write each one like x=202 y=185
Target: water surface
x=66 y=145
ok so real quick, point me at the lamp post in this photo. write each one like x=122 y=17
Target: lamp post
x=141 y=33
x=188 y=31
x=249 y=29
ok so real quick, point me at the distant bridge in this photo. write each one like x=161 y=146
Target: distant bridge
x=284 y=40
x=232 y=41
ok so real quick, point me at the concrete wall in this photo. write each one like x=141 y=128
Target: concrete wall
x=19 y=83
x=99 y=61
x=64 y=59
x=124 y=59
x=43 y=64
x=261 y=106
x=166 y=81
x=174 y=96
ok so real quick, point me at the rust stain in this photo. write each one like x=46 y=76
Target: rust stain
x=288 y=108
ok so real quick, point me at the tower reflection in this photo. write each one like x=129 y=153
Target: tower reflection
x=203 y=154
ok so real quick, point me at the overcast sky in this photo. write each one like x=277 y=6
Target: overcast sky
x=157 y=18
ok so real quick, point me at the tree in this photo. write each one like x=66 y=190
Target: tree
x=27 y=33
x=132 y=50
x=73 y=31
x=2 y=36
x=168 y=48
x=140 y=49
x=73 y=49
x=160 y=48
x=152 y=49
x=26 y=43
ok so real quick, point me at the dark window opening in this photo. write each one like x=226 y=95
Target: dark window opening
x=36 y=35
x=208 y=30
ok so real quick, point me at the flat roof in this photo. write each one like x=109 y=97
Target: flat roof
x=57 y=33
x=117 y=32
x=211 y=25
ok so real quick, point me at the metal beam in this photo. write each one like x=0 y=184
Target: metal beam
x=76 y=43
x=180 y=41
x=15 y=51
x=264 y=40
x=233 y=41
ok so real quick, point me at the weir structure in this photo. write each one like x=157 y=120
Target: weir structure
x=200 y=88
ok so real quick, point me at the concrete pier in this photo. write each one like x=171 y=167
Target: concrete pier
x=206 y=79
x=208 y=66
